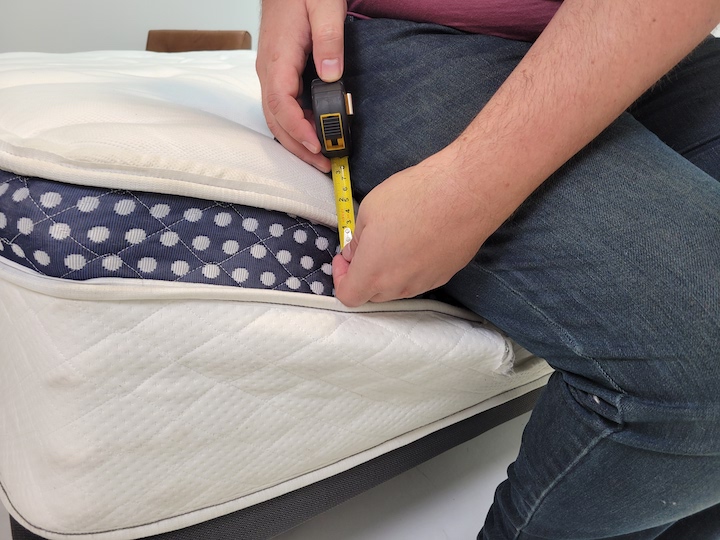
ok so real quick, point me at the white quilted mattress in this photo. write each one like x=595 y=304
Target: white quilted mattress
x=134 y=406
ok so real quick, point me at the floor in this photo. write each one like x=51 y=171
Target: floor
x=446 y=498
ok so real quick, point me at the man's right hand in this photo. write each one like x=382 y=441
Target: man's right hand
x=289 y=31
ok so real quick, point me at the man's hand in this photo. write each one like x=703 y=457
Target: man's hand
x=289 y=31
x=413 y=233
x=423 y=224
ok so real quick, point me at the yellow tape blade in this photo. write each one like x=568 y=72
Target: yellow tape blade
x=343 y=199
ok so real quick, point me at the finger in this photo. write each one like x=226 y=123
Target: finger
x=339 y=268
x=318 y=161
x=288 y=123
x=353 y=282
x=327 y=20
x=280 y=101
x=350 y=247
x=345 y=291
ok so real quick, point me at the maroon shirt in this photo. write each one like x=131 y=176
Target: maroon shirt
x=514 y=19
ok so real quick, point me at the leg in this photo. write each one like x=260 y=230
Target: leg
x=682 y=109
x=609 y=271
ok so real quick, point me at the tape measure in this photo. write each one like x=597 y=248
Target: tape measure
x=332 y=109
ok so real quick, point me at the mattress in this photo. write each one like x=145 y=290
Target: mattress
x=172 y=351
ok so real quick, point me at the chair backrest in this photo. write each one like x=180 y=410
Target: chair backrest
x=197 y=40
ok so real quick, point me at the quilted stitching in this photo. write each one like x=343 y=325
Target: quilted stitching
x=79 y=233
x=203 y=395
x=120 y=414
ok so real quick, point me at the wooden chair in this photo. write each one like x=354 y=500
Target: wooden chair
x=197 y=40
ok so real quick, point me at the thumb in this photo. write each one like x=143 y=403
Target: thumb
x=349 y=250
x=327 y=20
x=345 y=287
x=341 y=261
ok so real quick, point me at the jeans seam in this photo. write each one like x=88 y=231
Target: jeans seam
x=696 y=145
x=593 y=443
x=564 y=333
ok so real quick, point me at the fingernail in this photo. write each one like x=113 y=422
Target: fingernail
x=346 y=253
x=313 y=148
x=331 y=70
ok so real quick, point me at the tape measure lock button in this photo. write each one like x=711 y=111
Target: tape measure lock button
x=332 y=131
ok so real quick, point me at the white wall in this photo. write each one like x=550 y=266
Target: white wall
x=81 y=25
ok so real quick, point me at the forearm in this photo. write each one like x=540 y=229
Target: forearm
x=593 y=60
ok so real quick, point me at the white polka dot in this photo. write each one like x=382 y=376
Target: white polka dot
x=276 y=230
x=60 y=231
x=250 y=224
x=180 y=268
x=267 y=279
x=160 y=211
x=125 y=207
x=201 y=243
x=75 y=261
x=293 y=283
x=2 y=248
x=17 y=250
x=223 y=219
x=169 y=238
x=327 y=269
x=284 y=256
x=230 y=247
x=258 y=251
x=240 y=275
x=322 y=243
x=42 y=258
x=211 y=271
x=300 y=237
x=147 y=265
x=50 y=199
x=317 y=287
x=112 y=263
x=3 y=221
x=193 y=215
x=25 y=225
x=98 y=234
x=307 y=262
x=21 y=194
x=135 y=236
x=88 y=204
x=3 y=188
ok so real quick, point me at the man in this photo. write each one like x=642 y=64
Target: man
x=536 y=180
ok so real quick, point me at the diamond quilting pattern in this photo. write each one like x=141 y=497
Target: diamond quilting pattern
x=80 y=233
x=156 y=410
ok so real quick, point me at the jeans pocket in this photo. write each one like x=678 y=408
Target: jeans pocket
x=593 y=409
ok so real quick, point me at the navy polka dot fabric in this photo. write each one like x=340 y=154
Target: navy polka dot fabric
x=77 y=232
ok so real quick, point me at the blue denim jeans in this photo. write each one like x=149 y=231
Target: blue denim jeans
x=610 y=271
